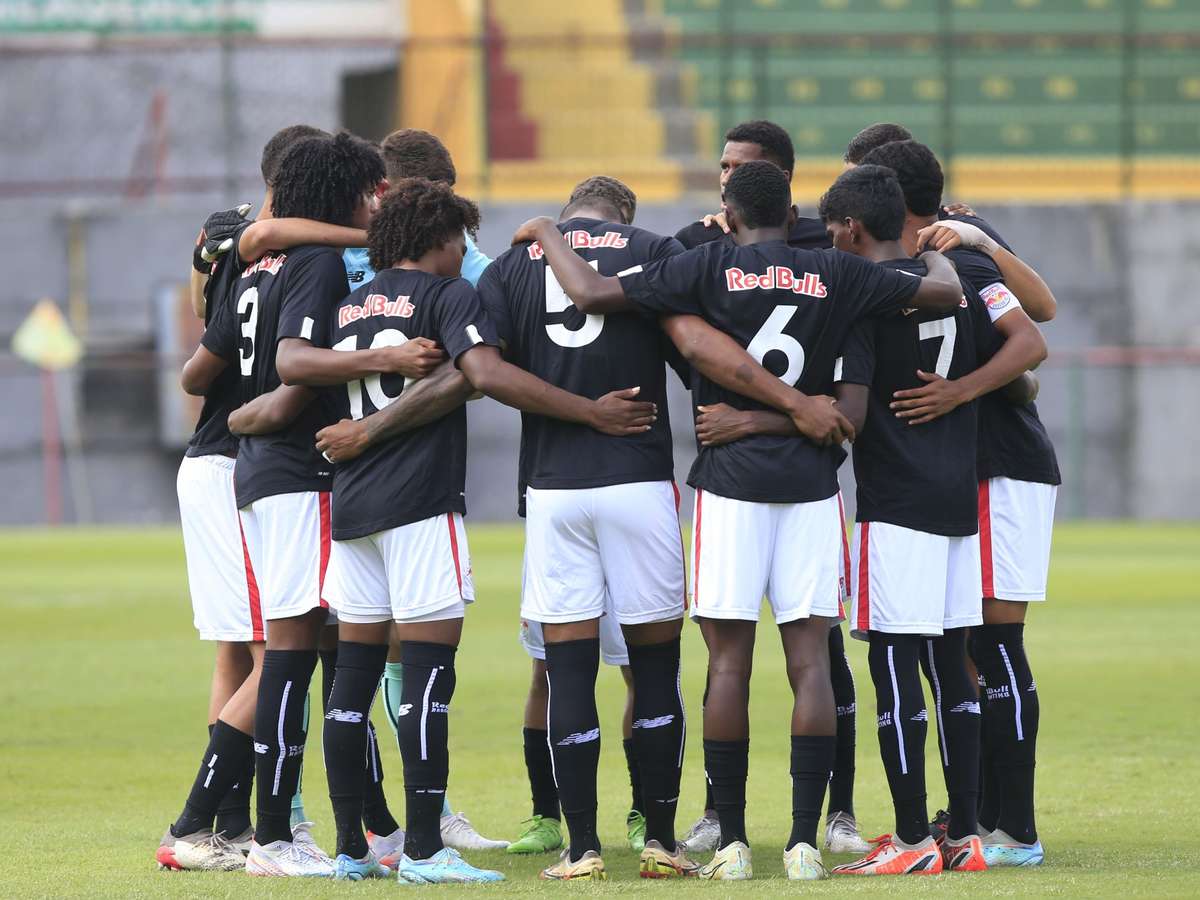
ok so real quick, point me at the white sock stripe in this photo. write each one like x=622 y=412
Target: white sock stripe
x=682 y=713
x=896 y=711
x=937 y=704
x=1012 y=681
x=549 y=743
x=287 y=689
x=372 y=745
x=425 y=714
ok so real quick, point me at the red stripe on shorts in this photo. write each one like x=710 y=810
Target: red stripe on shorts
x=985 y=537
x=682 y=549
x=326 y=539
x=845 y=543
x=256 y=620
x=454 y=551
x=864 y=580
x=696 y=549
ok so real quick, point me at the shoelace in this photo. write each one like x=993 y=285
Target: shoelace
x=843 y=826
x=882 y=842
x=216 y=843
x=459 y=822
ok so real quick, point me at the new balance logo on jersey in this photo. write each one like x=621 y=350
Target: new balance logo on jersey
x=999 y=693
x=375 y=305
x=656 y=722
x=967 y=706
x=269 y=263
x=776 y=278
x=344 y=715
x=581 y=240
x=580 y=737
x=404 y=709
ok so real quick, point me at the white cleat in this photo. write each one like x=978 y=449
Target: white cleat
x=285 y=859
x=457 y=832
x=703 y=837
x=731 y=863
x=303 y=839
x=803 y=863
x=242 y=842
x=201 y=851
x=388 y=848
x=842 y=836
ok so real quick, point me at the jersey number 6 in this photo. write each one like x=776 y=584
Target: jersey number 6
x=389 y=337
x=771 y=337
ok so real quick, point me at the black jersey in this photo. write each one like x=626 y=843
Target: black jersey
x=918 y=476
x=282 y=295
x=545 y=334
x=791 y=309
x=1013 y=442
x=806 y=233
x=421 y=473
x=212 y=433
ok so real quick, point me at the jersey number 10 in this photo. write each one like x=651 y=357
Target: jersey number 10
x=380 y=399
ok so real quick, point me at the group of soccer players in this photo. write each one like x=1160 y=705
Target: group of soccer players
x=322 y=500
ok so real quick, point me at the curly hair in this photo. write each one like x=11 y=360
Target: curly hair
x=917 y=170
x=874 y=136
x=418 y=215
x=412 y=153
x=324 y=178
x=603 y=191
x=280 y=143
x=759 y=193
x=870 y=194
x=774 y=140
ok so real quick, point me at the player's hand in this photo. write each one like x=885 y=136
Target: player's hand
x=413 y=359
x=532 y=229
x=342 y=442
x=819 y=420
x=948 y=234
x=619 y=413
x=932 y=400
x=959 y=209
x=717 y=219
x=720 y=424
x=216 y=236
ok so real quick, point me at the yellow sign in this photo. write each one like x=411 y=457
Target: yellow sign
x=45 y=339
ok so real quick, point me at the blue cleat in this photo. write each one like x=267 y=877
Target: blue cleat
x=445 y=867
x=347 y=868
x=1000 y=849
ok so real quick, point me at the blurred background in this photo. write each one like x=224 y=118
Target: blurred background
x=1073 y=126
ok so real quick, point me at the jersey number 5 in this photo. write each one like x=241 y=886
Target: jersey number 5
x=380 y=399
x=771 y=337
x=947 y=330
x=557 y=301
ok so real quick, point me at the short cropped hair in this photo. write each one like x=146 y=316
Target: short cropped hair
x=324 y=178
x=774 y=140
x=603 y=191
x=760 y=194
x=279 y=144
x=918 y=171
x=413 y=153
x=870 y=194
x=874 y=136
x=417 y=215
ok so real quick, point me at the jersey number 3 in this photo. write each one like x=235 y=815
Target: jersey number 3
x=389 y=337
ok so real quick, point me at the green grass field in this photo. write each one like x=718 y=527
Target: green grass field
x=104 y=689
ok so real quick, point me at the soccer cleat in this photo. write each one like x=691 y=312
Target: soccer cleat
x=588 y=867
x=892 y=857
x=964 y=855
x=347 y=868
x=201 y=851
x=242 y=842
x=1001 y=850
x=457 y=832
x=841 y=834
x=937 y=828
x=287 y=859
x=803 y=863
x=445 y=867
x=303 y=839
x=731 y=863
x=387 y=848
x=635 y=826
x=704 y=836
x=656 y=862
x=541 y=835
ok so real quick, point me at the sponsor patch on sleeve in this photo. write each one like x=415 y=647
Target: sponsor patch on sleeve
x=999 y=299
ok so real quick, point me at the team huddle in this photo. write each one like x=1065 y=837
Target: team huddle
x=323 y=493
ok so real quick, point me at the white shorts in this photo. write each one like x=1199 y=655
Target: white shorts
x=791 y=552
x=225 y=601
x=913 y=582
x=1016 y=522
x=612 y=641
x=288 y=538
x=419 y=572
x=615 y=550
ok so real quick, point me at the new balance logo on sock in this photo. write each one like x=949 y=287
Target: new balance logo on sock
x=260 y=748
x=580 y=737
x=657 y=722
x=1032 y=686
x=922 y=716
x=967 y=706
x=404 y=709
x=999 y=693
x=348 y=716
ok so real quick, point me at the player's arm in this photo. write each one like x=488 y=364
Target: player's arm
x=279 y=234
x=270 y=412
x=197 y=281
x=940 y=289
x=591 y=292
x=299 y=362
x=201 y=371
x=721 y=423
x=1034 y=294
x=424 y=401
x=1022 y=389
x=852 y=400
x=215 y=239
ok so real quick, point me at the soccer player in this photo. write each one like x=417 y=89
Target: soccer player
x=915 y=556
x=602 y=540
x=1019 y=475
x=759 y=498
x=871 y=137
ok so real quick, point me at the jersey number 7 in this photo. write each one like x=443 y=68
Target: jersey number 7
x=380 y=399
x=947 y=330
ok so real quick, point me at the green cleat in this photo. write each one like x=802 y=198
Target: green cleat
x=636 y=823
x=541 y=835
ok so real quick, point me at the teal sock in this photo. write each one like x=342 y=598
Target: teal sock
x=298 y=815
x=393 y=680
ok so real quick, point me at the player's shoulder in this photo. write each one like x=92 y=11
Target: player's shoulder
x=983 y=225
x=696 y=234
x=809 y=234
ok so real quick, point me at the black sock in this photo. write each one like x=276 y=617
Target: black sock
x=709 y=802
x=727 y=764
x=1011 y=711
x=422 y=728
x=541 y=772
x=571 y=667
x=279 y=739
x=347 y=720
x=812 y=760
x=659 y=732
x=902 y=721
x=224 y=762
x=329 y=660
x=376 y=816
x=944 y=662
x=233 y=815
x=635 y=776
x=841 y=782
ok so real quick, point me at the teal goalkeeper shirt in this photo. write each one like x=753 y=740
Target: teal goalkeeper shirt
x=359 y=271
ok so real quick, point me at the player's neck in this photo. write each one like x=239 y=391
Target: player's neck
x=590 y=212
x=424 y=264
x=884 y=251
x=912 y=224
x=264 y=211
x=746 y=236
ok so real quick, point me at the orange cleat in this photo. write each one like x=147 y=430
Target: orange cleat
x=964 y=855
x=893 y=857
